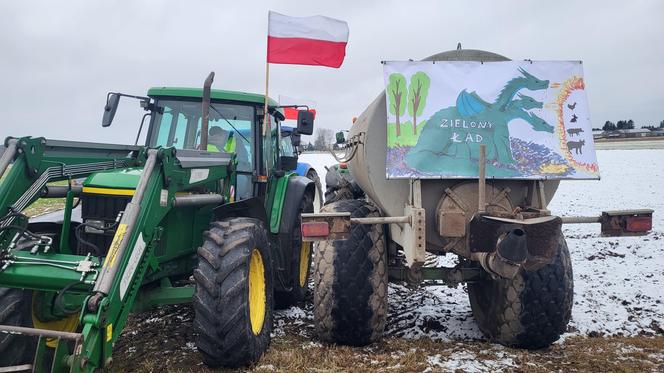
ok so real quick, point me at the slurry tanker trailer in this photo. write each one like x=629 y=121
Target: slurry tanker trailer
x=462 y=183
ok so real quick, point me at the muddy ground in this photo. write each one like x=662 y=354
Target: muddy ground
x=163 y=341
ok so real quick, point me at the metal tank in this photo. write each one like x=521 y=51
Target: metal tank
x=391 y=196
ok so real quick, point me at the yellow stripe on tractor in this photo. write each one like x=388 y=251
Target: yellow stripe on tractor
x=109 y=191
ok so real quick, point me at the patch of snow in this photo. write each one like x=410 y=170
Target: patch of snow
x=468 y=362
x=311 y=345
x=294 y=313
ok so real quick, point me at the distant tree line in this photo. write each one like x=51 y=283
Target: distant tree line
x=322 y=140
x=626 y=125
x=652 y=128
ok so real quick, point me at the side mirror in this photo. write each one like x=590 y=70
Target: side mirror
x=296 y=139
x=340 y=138
x=305 y=122
x=288 y=163
x=112 y=101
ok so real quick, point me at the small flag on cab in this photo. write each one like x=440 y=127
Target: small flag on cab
x=290 y=113
x=316 y=40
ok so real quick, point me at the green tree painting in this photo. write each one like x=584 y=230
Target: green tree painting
x=417 y=96
x=396 y=93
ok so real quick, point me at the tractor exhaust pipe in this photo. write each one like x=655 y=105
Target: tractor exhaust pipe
x=511 y=252
x=205 y=119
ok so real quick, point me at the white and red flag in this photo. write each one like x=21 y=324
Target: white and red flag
x=315 y=40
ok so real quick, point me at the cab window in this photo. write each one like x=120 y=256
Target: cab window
x=229 y=129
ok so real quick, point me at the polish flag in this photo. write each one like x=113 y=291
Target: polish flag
x=291 y=113
x=316 y=40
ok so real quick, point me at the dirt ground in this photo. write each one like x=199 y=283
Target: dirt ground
x=163 y=341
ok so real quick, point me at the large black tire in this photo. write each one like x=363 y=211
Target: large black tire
x=530 y=311
x=16 y=310
x=223 y=321
x=340 y=186
x=318 y=196
x=301 y=253
x=350 y=281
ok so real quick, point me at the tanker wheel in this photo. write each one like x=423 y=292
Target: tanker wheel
x=233 y=299
x=350 y=281
x=318 y=196
x=16 y=310
x=301 y=253
x=337 y=187
x=530 y=311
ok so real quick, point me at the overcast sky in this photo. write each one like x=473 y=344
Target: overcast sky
x=58 y=59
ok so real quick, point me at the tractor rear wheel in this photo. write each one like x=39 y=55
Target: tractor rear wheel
x=530 y=311
x=233 y=299
x=350 y=281
x=300 y=261
x=16 y=310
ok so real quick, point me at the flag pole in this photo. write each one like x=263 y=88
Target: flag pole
x=266 y=116
x=266 y=123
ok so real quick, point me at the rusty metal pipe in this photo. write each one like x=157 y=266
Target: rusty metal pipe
x=382 y=220
x=11 y=329
x=581 y=219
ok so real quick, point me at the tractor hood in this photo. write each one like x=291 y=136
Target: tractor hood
x=115 y=179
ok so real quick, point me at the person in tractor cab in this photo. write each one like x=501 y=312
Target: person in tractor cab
x=218 y=139
x=222 y=140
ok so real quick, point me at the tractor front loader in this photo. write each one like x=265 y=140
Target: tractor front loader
x=207 y=211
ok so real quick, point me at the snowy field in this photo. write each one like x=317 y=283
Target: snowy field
x=618 y=281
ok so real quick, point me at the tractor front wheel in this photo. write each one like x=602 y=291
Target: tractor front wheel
x=350 y=280
x=233 y=300
x=16 y=310
x=529 y=311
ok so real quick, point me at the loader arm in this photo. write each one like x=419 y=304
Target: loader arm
x=112 y=281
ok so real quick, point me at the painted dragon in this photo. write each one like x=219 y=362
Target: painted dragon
x=449 y=142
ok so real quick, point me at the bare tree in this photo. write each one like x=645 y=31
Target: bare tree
x=324 y=137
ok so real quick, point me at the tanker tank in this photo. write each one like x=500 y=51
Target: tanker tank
x=391 y=196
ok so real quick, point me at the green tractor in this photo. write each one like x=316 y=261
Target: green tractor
x=207 y=211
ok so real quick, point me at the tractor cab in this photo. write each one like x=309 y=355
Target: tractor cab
x=233 y=129
x=234 y=126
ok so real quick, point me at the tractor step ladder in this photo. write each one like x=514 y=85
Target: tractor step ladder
x=42 y=334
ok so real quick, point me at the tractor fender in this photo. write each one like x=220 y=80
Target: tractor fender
x=297 y=187
x=302 y=168
x=251 y=207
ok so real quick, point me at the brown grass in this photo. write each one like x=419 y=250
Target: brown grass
x=295 y=353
